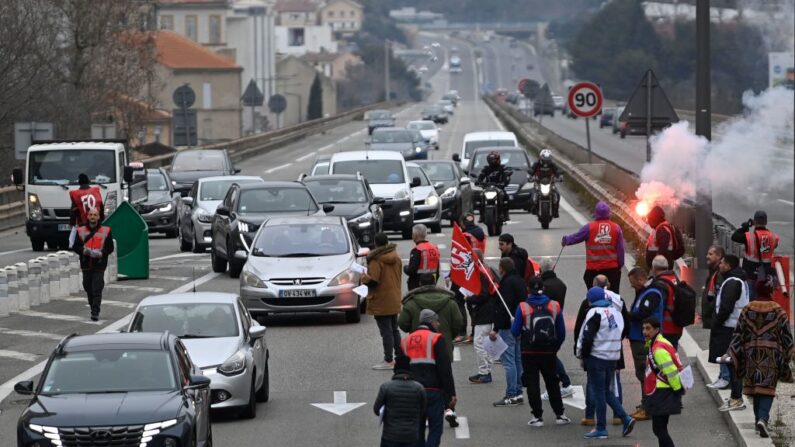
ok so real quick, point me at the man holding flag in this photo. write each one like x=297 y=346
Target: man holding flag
x=513 y=291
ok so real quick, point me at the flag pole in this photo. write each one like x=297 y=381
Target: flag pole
x=558 y=258
x=497 y=289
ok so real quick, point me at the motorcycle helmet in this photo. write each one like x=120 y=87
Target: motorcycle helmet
x=546 y=155
x=493 y=159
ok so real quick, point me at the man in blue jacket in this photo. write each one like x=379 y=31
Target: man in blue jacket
x=540 y=324
x=648 y=303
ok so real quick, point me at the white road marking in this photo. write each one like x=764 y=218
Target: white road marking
x=456 y=354
x=24 y=333
x=112 y=303
x=59 y=317
x=780 y=200
x=276 y=168
x=326 y=147
x=133 y=287
x=3 y=253
x=577 y=400
x=170 y=278
x=174 y=256
x=441 y=246
x=462 y=431
x=201 y=280
x=18 y=355
x=343 y=139
x=340 y=405
x=304 y=157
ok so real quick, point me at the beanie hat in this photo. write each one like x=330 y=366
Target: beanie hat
x=402 y=363
x=596 y=294
x=428 y=316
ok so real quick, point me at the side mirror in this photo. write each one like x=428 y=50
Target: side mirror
x=457 y=158
x=364 y=251
x=257 y=332
x=188 y=201
x=222 y=211
x=25 y=387
x=327 y=208
x=17 y=177
x=128 y=174
x=415 y=182
x=378 y=201
x=438 y=185
x=176 y=195
x=241 y=255
x=198 y=381
x=464 y=181
x=236 y=170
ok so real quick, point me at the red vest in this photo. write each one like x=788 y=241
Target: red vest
x=760 y=245
x=534 y=264
x=83 y=200
x=653 y=371
x=429 y=258
x=601 y=251
x=95 y=242
x=475 y=242
x=651 y=243
x=418 y=346
x=668 y=325
x=527 y=312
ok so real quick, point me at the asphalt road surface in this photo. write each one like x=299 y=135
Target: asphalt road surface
x=312 y=356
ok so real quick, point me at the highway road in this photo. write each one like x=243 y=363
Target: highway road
x=312 y=356
x=506 y=66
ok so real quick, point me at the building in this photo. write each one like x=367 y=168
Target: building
x=333 y=65
x=202 y=21
x=295 y=81
x=214 y=78
x=298 y=29
x=343 y=16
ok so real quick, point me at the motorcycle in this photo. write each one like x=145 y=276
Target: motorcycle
x=491 y=210
x=545 y=195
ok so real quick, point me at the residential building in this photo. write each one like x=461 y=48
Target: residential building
x=295 y=81
x=202 y=21
x=298 y=29
x=343 y=16
x=333 y=65
x=214 y=78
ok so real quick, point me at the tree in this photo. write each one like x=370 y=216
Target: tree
x=315 y=107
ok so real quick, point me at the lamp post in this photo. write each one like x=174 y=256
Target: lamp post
x=387 y=89
x=703 y=218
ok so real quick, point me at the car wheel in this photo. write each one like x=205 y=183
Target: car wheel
x=250 y=410
x=219 y=265
x=363 y=306
x=436 y=228
x=183 y=244
x=37 y=244
x=197 y=248
x=264 y=391
x=353 y=316
x=406 y=233
x=235 y=267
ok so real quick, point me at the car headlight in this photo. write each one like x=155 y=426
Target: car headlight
x=249 y=279
x=245 y=227
x=418 y=149
x=345 y=277
x=50 y=433
x=449 y=192
x=363 y=221
x=545 y=188
x=402 y=194
x=165 y=208
x=432 y=200
x=150 y=430
x=490 y=195
x=34 y=207
x=203 y=216
x=233 y=365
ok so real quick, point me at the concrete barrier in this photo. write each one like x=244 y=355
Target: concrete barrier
x=113 y=265
x=74 y=273
x=34 y=282
x=13 y=289
x=4 y=306
x=55 y=276
x=24 y=287
x=63 y=272
x=44 y=296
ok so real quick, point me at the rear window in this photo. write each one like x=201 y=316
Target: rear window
x=470 y=146
x=276 y=200
x=392 y=136
x=375 y=171
x=198 y=161
x=513 y=159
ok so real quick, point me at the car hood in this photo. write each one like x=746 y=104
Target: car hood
x=519 y=177
x=155 y=197
x=313 y=266
x=386 y=122
x=387 y=190
x=82 y=410
x=210 y=205
x=258 y=218
x=211 y=351
x=421 y=192
x=396 y=147
x=428 y=133
x=349 y=210
x=192 y=176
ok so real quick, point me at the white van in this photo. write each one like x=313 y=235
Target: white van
x=474 y=140
x=388 y=177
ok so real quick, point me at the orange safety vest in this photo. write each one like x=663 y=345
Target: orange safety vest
x=429 y=258
x=601 y=250
x=760 y=244
x=668 y=325
x=475 y=242
x=95 y=242
x=418 y=346
x=83 y=200
x=653 y=371
x=527 y=312
x=651 y=243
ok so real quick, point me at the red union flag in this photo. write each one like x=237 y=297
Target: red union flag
x=463 y=266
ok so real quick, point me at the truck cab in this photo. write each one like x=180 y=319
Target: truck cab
x=51 y=171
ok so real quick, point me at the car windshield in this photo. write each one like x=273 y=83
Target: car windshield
x=156 y=182
x=415 y=171
x=62 y=167
x=470 y=146
x=217 y=189
x=198 y=161
x=417 y=135
x=392 y=136
x=380 y=115
x=422 y=125
x=320 y=168
x=337 y=191
x=513 y=159
x=301 y=240
x=189 y=320
x=276 y=200
x=376 y=171
x=439 y=172
x=110 y=371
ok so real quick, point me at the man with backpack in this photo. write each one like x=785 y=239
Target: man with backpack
x=509 y=249
x=679 y=298
x=760 y=245
x=664 y=239
x=540 y=325
x=648 y=303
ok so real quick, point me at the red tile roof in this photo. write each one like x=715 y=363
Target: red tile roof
x=177 y=51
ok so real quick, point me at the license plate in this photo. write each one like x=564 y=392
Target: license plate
x=297 y=293
x=64 y=227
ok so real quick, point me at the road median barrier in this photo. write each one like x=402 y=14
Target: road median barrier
x=13 y=289
x=5 y=306
x=24 y=286
x=34 y=282
x=44 y=297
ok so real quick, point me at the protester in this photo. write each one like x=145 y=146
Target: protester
x=541 y=328
x=383 y=279
x=93 y=243
x=761 y=351
x=509 y=249
x=441 y=301
x=665 y=280
x=432 y=368
x=663 y=240
x=663 y=388
x=482 y=310
x=760 y=246
x=83 y=199
x=424 y=258
x=604 y=247
x=477 y=239
x=401 y=406
x=513 y=290
x=711 y=289
x=648 y=304
x=711 y=286
x=599 y=347
x=555 y=289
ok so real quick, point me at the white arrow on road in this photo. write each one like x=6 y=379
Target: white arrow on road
x=340 y=405
x=577 y=400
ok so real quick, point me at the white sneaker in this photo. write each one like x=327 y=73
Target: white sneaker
x=719 y=384
x=544 y=396
x=562 y=420
x=536 y=422
x=567 y=392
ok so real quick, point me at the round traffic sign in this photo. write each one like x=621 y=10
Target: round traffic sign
x=277 y=103
x=585 y=99
x=184 y=97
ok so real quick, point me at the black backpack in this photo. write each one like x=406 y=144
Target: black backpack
x=678 y=241
x=542 y=332
x=684 y=312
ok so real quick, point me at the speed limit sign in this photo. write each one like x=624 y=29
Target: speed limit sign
x=585 y=99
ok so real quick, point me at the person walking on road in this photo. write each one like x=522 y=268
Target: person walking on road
x=708 y=296
x=664 y=239
x=441 y=301
x=761 y=351
x=93 y=243
x=383 y=279
x=599 y=347
x=482 y=306
x=509 y=249
x=556 y=289
x=513 y=289
x=648 y=303
x=540 y=326
x=477 y=239
x=401 y=406
x=431 y=366
x=665 y=281
x=424 y=258
x=760 y=246
x=662 y=388
x=732 y=298
x=83 y=199
x=604 y=247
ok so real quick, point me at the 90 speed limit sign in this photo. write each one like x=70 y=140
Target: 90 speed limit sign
x=585 y=99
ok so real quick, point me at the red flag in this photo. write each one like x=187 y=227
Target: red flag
x=463 y=265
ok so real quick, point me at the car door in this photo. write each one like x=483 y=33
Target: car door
x=378 y=213
x=258 y=348
x=185 y=214
x=199 y=400
x=220 y=226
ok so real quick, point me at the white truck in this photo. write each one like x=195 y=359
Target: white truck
x=51 y=171
x=455 y=64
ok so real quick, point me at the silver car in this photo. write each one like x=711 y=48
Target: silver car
x=427 y=205
x=303 y=264
x=222 y=339
x=195 y=211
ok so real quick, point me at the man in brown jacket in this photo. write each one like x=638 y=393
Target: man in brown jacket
x=383 y=278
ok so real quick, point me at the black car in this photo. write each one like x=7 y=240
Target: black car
x=435 y=113
x=519 y=189
x=243 y=210
x=353 y=200
x=160 y=208
x=452 y=185
x=117 y=389
x=379 y=118
x=193 y=164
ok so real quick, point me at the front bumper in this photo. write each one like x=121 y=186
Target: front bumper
x=450 y=207
x=203 y=232
x=236 y=387
x=267 y=300
x=428 y=214
x=48 y=229
x=183 y=432
x=158 y=222
x=398 y=214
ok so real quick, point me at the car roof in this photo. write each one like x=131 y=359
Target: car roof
x=188 y=298
x=366 y=155
x=500 y=149
x=191 y=151
x=381 y=110
x=272 y=184
x=293 y=220
x=76 y=145
x=421 y=122
x=230 y=177
x=490 y=135
x=331 y=177
x=428 y=162
x=390 y=129
x=121 y=340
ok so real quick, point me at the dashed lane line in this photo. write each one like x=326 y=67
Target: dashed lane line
x=787 y=202
x=276 y=168
x=329 y=146
x=18 y=355
x=170 y=278
x=462 y=431
x=113 y=303
x=304 y=157
x=23 y=333
x=58 y=317
x=456 y=354
x=175 y=256
x=3 y=253
x=132 y=287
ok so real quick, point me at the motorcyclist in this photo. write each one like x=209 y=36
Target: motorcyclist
x=541 y=169
x=494 y=173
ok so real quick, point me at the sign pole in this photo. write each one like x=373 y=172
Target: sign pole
x=704 y=228
x=588 y=138
x=648 y=116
